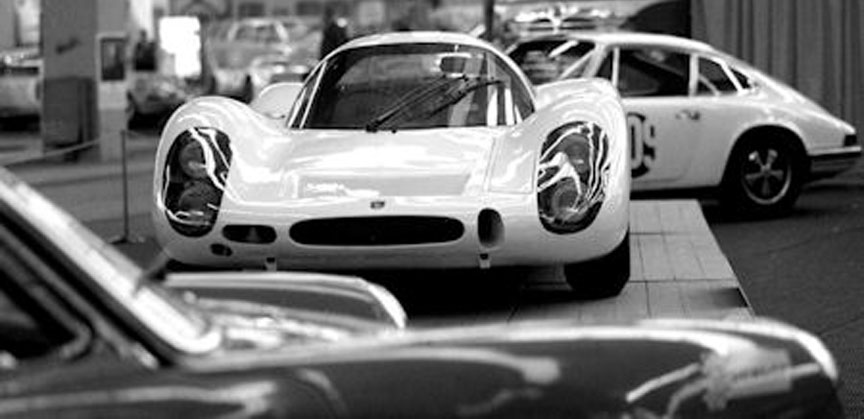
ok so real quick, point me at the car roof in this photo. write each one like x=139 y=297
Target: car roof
x=640 y=38
x=418 y=37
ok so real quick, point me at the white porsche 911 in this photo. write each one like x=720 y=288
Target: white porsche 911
x=407 y=150
x=700 y=118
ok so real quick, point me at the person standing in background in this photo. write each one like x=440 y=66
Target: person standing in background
x=334 y=31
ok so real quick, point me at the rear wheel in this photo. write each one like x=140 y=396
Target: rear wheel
x=602 y=277
x=763 y=178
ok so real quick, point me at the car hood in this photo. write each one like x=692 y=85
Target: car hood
x=543 y=369
x=352 y=163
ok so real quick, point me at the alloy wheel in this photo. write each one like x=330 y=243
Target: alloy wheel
x=766 y=175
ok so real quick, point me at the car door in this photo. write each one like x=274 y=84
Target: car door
x=654 y=83
x=724 y=99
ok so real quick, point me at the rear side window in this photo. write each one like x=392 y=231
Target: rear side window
x=743 y=80
x=713 y=79
x=652 y=72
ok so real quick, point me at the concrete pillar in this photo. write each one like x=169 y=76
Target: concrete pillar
x=7 y=24
x=84 y=75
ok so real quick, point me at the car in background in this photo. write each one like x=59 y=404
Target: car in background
x=700 y=118
x=20 y=86
x=232 y=47
x=149 y=94
x=423 y=149
x=275 y=68
x=152 y=94
x=86 y=333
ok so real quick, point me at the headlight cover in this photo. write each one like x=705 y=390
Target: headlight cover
x=571 y=176
x=194 y=180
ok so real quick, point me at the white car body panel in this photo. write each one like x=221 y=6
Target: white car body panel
x=280 y=176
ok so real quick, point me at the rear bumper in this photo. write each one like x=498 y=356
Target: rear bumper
x=825 y=163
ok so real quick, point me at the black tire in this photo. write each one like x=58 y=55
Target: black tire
x=763 y=178
x=603 y=277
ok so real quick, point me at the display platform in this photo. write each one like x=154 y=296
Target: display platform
x=677 y=271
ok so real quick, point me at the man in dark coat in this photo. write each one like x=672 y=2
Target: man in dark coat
x=334 y=32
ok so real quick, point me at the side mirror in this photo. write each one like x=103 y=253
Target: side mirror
x=276 y=100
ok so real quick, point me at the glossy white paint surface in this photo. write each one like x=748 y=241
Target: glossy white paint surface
x=280 y=176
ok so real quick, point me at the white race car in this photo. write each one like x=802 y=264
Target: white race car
x=701 y=118
x=408 y=150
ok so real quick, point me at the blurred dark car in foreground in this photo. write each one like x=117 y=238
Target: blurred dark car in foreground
x=84 y=333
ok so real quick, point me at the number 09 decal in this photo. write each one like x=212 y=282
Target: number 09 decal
x=643 y=146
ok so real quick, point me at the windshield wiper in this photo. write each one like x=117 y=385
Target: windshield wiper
x=453 y=96
x=456 y=89
x=406 y=101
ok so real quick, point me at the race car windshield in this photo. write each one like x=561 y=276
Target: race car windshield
x=388 y=87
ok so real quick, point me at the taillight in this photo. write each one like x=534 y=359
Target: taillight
x=194 y=181
x=572 y=176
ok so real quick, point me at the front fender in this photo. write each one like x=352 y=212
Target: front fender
x=514 y=167
x=243 y=127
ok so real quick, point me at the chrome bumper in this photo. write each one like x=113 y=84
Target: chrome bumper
x=831 y=162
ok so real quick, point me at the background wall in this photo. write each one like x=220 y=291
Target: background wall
x=815 y=45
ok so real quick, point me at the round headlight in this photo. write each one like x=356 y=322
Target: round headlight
x=196 y=169
x=571 y=177
x=579 y=154
x=195 y=211
x=191 y=160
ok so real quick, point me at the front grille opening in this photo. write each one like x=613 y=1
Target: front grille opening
x=254 y=234
x=490 y=228
x=850 y=140
x=377 y=231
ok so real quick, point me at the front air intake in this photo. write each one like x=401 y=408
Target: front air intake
x=377 y=231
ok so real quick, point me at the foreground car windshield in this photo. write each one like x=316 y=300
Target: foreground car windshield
x=360 y=85
x=111 y=275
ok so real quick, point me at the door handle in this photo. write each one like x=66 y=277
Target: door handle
x=690 y=114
